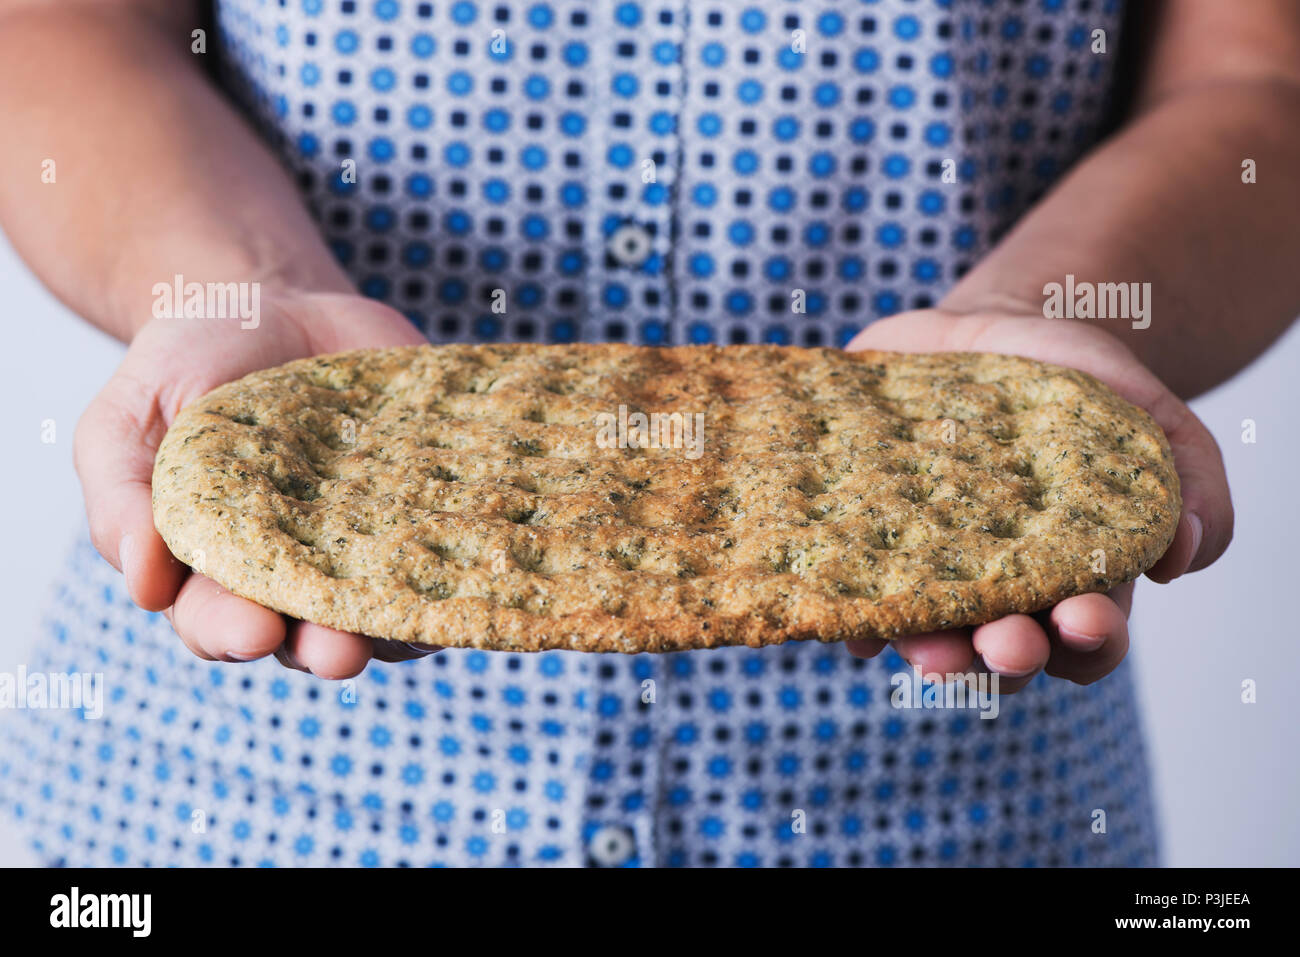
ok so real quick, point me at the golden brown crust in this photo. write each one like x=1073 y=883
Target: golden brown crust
x=461 y=496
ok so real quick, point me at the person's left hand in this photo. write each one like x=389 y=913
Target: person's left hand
x=1083 y=638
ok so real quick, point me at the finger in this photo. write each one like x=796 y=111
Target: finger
x=866 y=647
x=1205 y=527
x=340 y=322
x=1122 y=596
x=225 y=626
x=286 y=658
x=1182 y=551
x=938 y=652
x=187 y=640
x=384 y=649
x=1084 y=623
x=113 y=452
x=1089 y=635
x=1015 y=648
x=327 y=652
x=922 y=331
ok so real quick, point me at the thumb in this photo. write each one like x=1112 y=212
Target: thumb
x=1205 y=528
x=337 y=322
x=113 y=451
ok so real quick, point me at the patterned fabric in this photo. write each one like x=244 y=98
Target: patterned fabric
x=507 y=146
x=791 y=755
x=655 y=172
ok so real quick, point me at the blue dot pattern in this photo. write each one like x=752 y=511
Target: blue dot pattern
x=516 y=160
x=863 y=155
x=784 y=756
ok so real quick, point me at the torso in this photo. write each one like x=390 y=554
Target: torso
x=775 y=172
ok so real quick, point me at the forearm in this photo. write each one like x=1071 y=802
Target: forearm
x=155 y=175
x=1163 y=202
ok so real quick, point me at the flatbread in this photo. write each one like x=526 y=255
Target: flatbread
x=499 y=497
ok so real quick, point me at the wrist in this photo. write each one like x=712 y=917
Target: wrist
x=239 y=288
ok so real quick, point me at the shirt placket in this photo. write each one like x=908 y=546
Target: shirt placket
x=636 y=96
x=622 y=766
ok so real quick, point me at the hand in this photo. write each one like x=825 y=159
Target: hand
x=171 y=362
x=1083 y=638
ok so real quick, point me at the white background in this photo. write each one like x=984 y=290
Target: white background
x=1227 y=773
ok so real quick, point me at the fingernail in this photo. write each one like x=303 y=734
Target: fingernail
x=126 y=556
x=1081 y=642
x=1194 y=522
x=1005 y=671
x=283 y=656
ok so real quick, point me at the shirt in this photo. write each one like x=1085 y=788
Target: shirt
x=654 y=172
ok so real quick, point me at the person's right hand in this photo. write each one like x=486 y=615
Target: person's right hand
x=170 y=363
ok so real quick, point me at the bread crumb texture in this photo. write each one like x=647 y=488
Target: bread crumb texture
x=498 y=497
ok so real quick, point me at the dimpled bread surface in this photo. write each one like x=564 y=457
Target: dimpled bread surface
x=467 y=496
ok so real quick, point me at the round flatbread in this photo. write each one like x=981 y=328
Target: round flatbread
x=622 y=498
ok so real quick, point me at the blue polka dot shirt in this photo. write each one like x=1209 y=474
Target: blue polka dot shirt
x=726 y=171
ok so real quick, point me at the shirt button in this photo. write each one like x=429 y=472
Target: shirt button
x=629 y=245
x=611 y=846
